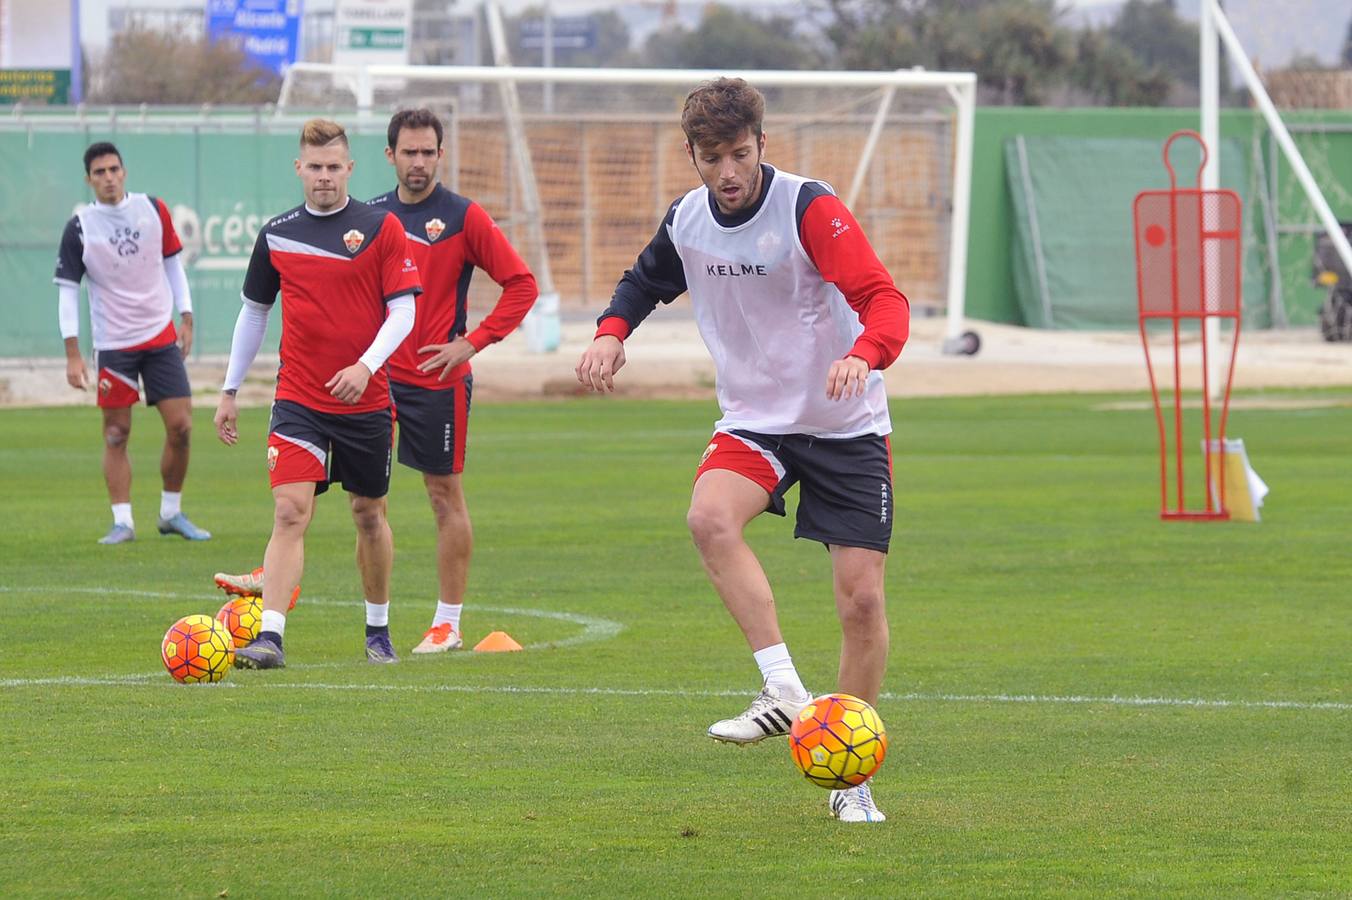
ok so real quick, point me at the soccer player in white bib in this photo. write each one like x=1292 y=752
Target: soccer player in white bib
x=800 y=316
x=124 y=245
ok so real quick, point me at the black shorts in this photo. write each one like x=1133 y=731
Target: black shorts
x=845 y=493
x=433 y=425
x=161 y=370
x=350 y=449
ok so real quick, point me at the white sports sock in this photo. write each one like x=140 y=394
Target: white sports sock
x=377 y=614
x=171 y=504
x=122 y=515
x=273 y=621
x=448 y=612
x=777 y=669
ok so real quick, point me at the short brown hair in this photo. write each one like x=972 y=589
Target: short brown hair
x=321 y=133
x=722 y=110
x=413 y=118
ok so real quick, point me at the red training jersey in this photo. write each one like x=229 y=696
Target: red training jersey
x=449 y=235
x=335 y=273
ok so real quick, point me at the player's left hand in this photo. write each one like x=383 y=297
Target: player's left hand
x=848 y=378
x=349 y=384
x=446 y=356
x=185 y=334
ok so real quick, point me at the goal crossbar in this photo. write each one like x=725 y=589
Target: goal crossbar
x=959 y=86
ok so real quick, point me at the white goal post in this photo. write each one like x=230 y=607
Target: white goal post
x=874 y=126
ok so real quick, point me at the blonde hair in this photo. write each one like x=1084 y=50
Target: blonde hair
x=321 y=133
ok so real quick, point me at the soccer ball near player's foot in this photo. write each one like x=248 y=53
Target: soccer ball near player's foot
x=838 y=741
x=197 y=649
x=242 y=617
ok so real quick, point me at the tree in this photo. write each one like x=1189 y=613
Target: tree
x=728 y=39
x=1017 y=48
x=144 y=66
x=1109 y=74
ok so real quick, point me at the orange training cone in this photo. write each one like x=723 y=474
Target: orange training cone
x=497 y=642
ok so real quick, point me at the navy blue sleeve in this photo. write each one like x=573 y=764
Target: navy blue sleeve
x=262 y=281
x=70 y=258
x=657 y=277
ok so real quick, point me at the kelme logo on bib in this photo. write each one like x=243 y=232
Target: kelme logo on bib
x=353 y=239
x=434 y=229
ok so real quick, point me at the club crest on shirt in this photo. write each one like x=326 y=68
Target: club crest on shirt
x=434 y=228
x=708 y=452
x=272 y=458
x=353 y=240
x=105 y=385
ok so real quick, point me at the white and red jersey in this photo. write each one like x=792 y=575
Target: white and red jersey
x=121 y=249
x=780 y=292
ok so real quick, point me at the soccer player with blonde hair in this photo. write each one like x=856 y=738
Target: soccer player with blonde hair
x=347 y=282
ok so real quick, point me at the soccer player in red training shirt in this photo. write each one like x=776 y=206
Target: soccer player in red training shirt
x=348 y=282
x=125 y=244
x=799 y=316
x=430 y=375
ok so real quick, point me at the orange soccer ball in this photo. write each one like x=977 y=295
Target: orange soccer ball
x=242 y=617
x=838 y=741
x=197 y=649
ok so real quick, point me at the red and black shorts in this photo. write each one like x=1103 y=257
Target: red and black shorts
x=845 y=485
x=161 y=369
x=433 y=425
x=351 y=449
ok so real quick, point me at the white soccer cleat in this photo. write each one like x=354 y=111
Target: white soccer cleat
x=439 y=639
x=769 y=715
x=855 y=805
x=250 y=584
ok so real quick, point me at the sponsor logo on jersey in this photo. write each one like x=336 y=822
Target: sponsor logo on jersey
x=409 y=265
x=272 y=458
x=125 y=238
x=839 y=226
x=434 y=228
x=736 y=270
x=882 y=517
x=353 y=240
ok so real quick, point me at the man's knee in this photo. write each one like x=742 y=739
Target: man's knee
x=710 y=525
x=368 y=515
x=178 y=432
x=290 y=514
x=446 y=499
x=862 y=608
x=115 y=435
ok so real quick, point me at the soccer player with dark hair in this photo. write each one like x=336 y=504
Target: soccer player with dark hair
x=125 y=246
x=800 y=316
x=430 y=377
x=347 y=281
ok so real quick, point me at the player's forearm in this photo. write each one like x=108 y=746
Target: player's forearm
x=397 y=326
x=518 y=296
x=886 y=316
x=73 y=348
x=68 y=314
x=250 y=327
x=178 y=283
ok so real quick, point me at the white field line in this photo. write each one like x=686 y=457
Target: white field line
x=593 y=628
x=157 y=679
x=600 y=629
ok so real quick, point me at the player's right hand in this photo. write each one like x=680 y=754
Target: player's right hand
x=227 y=412
x=77 y=375
x=596 y=370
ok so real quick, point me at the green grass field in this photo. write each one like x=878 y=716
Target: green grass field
x=1082 y=700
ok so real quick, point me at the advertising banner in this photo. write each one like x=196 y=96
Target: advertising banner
x=268 y=30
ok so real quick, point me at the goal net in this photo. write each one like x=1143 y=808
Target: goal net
x=579 y=165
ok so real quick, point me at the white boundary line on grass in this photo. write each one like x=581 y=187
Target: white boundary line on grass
x=593 y=628
x=596 y=629
x=156 y=679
